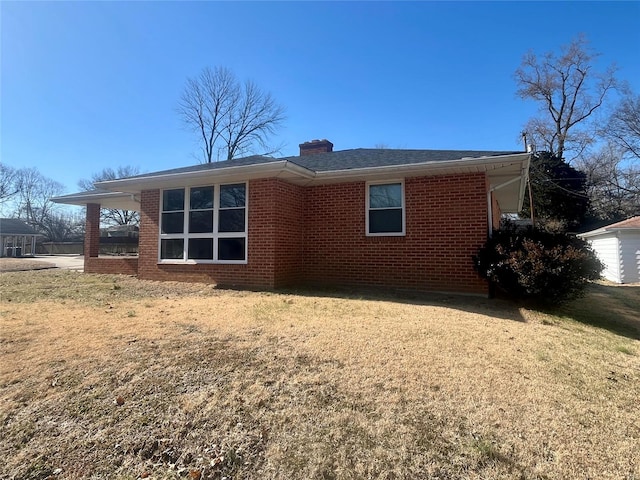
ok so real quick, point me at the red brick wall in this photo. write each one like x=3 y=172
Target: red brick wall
x=446 y=222
x=274 y=206
x=92 y=231
x=123 y=265
x=316 y=235
x=289 y=246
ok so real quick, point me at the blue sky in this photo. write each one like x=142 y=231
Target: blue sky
x=86 y=85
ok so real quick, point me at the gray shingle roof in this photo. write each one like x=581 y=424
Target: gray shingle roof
x=14 y=226
x=342 y=160
x=237 y=162
x=376 y=157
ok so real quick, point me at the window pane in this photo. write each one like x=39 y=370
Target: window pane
x=172 y=222
x=385 y=196
x=173 y=200
x=201 y=248
x=201 y=197
x=385 y=221
x=231 y=248
x=231 y=220
x=171 y=248
x=232 y=195
x=201 y=222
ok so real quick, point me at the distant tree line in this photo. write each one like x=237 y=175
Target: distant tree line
x=26 y=194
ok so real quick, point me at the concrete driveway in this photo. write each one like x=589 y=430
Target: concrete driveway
x=66 y=262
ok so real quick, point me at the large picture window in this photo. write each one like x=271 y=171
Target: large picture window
x=204 y=224
x=385 y=209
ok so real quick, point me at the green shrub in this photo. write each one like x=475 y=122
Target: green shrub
x=539 y=265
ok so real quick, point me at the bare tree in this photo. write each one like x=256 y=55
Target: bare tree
x=623 y=127
x=113 y=216
x=9 y=182
x=613 y=183
x=569 y=90
x=64 y=226
x=230 y=118
x=34 y=204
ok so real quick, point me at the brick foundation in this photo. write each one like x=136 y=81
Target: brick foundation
x=123 y=265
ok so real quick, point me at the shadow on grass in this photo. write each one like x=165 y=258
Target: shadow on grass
x=498 y=308
x=612 y=307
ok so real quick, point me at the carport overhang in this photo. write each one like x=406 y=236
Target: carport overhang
x=106 y=199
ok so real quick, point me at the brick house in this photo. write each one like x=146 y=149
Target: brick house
x=401 y=219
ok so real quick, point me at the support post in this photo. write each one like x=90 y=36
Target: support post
x=92 y=231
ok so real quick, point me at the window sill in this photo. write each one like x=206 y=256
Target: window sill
x=202 y=262
x=378 y=235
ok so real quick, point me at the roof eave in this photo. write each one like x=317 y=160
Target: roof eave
x=281 y=168
x=606 y=230
x=119 y=200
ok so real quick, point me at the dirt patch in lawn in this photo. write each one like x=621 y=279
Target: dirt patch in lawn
x=22 y=264
x=111 y=377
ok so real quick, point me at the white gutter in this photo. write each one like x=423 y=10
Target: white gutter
x=490 y=211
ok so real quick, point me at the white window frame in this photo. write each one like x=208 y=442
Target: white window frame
x=368 y=208
x=215 y=235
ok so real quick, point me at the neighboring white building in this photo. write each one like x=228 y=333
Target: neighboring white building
x=618 y=247
x=17 y=239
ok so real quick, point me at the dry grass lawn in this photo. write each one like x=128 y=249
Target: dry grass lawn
x=111 y=377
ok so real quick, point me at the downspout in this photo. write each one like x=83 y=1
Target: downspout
x=490 y=210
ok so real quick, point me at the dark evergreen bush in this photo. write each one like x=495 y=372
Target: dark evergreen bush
x=539 y=265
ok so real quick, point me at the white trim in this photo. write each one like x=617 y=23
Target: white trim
x=185 y=236
x=367 y=209
x=302 y=175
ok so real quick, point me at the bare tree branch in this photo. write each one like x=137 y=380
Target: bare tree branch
x=613 y=184
x=231 y=119
x=113 y=216
x=623 y=127
x=9 y=182
x=569 y=93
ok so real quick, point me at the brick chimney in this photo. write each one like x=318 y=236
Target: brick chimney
x=316 y=146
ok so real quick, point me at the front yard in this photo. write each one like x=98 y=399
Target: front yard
x=111 y=377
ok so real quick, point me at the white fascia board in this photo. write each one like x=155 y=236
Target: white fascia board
x=282 y=168
x=120 y=200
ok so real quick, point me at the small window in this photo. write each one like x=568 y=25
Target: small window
x=201 y=248
x=173 y=200
x=231 y=248
x=173 y=211
x=385 y=209
x=232 y=209
x=172 y=248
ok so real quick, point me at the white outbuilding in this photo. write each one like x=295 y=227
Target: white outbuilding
x=618 y=247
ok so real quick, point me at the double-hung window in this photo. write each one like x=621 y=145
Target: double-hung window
x=385 y=209
x=204 y=224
